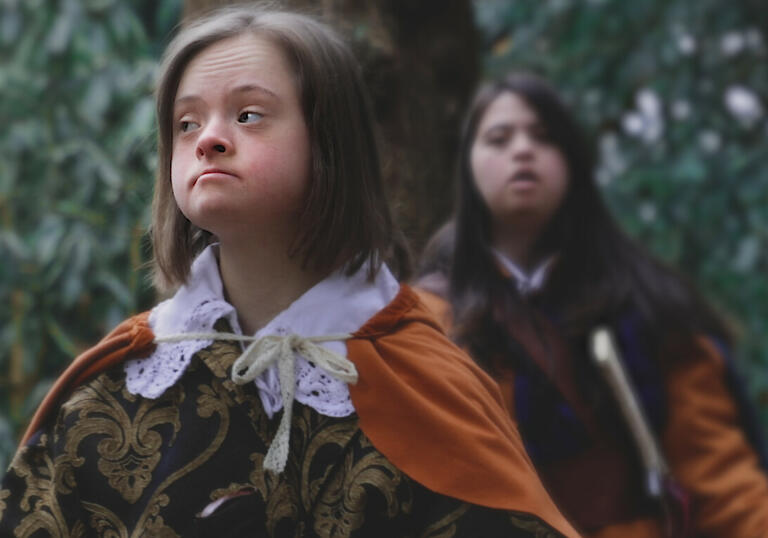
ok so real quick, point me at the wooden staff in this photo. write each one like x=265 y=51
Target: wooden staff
x=606 y=356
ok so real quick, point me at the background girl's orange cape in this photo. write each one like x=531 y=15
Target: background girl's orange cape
x=421 y=401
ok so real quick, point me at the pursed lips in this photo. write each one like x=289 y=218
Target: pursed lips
x=214 y=172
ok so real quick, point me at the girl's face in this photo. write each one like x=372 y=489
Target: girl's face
x=241 y=152
x=520 y=174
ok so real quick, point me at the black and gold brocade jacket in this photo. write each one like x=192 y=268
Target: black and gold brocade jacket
x=118 y=465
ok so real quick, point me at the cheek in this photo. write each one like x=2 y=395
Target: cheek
x=176 y=189
x=177 y=167
x=560 y=177
x=282 y=168
x=178 y=175
x=274 y=169
x=563 y=180
x=485 y=171
x=179 y=161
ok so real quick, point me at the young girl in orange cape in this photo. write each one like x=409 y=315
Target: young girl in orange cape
x=290 y=386
x=530 y=266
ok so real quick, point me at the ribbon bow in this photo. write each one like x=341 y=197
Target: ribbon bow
x=262 y=353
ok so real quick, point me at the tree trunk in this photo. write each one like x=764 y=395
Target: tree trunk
x=420 y=62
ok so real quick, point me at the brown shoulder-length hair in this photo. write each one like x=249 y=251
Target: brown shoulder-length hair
x=345 y=219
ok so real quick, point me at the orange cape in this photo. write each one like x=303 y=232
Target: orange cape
x=421 y=401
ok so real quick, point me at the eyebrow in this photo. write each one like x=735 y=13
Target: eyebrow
x=498 y=126
x=247 y=88
x=507 y=125
x=243 y=88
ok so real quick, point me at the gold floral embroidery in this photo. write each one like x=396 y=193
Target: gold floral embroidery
x=281 y=498
x=220 y=357
x=532 y=525
x=282 y=504
x=4 y=494
x=213 y=399
x=44 y=521
x=229 y=491
x=333 y=475
x=446 y=526
x=317 y=438
x=341 y=507
x=40 y=498
x=154 y=526
x=130 y=449
x=105 y=522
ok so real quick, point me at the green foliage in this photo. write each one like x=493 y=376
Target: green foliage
x=675 y=93
x=75 y=185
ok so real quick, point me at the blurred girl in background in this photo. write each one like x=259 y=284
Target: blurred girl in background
x=531 y=264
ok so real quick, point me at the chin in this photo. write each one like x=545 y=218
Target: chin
x=211 y=216
x=523 y=215
x=515 y=210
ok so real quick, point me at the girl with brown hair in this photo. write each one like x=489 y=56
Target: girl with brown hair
x=529 y=267
x=289 y=386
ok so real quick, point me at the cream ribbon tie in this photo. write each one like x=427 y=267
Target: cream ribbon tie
x=262 y=353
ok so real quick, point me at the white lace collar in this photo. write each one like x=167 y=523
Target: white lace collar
x=527 y=282
x=339 y=304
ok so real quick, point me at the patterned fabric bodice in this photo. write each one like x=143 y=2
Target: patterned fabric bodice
x=117 y=464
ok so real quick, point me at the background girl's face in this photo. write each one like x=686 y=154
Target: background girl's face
x=241 y=153
x=520 y=174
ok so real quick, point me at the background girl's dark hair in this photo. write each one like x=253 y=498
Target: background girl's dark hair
x=600 y=274
x=346 y=218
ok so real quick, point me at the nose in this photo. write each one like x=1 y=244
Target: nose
x=522 y=146
x=214 y=139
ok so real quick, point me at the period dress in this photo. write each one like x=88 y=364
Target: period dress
x=149 y=437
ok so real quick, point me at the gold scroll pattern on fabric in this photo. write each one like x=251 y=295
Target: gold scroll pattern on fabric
x=210 y=436
x=40 y=498
x=130 y=448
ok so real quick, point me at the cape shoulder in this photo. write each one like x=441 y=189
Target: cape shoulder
x=132 y=338
x=438 y=417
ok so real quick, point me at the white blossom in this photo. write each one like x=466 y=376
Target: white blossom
x=681 y=109
x=612 y=162
x=732 y=43
x=592 y=97
x=747 y=253
x=633 y=123
x=646 y=122
x=647 y=212
x=743 y=104
x=710 y=141
x=654 y=128
x=686 y=44
x=754 y=38
x=648 y=102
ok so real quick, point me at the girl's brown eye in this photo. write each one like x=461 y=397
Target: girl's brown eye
x=497 y=141
x=496 y=138
x=249 y=116
x=185 y=126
